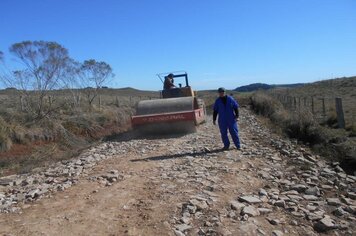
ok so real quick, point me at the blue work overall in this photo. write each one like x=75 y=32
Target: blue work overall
x=227 y=120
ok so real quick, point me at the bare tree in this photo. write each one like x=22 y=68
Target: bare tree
x=44 y=65
x=93 y=75
x=73 y=83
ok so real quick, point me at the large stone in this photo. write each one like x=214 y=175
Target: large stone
x=325 y=224
x=250 y=199
x=5 y=181
x=264 y=211
x=277 y=233
x=201 y=205
x=339 y=212
x=262 y=192
x=313 y=191
x=299 y=187
x=235 y=205
x=178 y=233
x=310 y=197
x=351 y=195
x=280 y=203
x=333 y=201
x=250 y=211
x=273 y=221
x=183 y=227
x=33 y=193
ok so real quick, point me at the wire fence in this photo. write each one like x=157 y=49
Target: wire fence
x=324 y=109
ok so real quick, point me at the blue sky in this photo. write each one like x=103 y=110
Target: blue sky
x=219 y=43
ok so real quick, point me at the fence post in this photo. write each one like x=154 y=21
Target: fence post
x=324 y=110
x=312 y=104
x=299 y=102
x=22 y=103
x=99 y=102
x=305 y=101
x=50 y=100
x=295 y=103
x=78 y=100
x=117 y=101
x=340 y=113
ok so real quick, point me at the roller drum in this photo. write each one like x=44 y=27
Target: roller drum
x=168 y=105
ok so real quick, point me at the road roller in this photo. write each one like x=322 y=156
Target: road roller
x=178 y=110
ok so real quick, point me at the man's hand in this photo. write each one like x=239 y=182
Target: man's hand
x=214 y=122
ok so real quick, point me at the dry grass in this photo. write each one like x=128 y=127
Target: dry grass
x=328 y=90
x=27 y=142
x=301 y=124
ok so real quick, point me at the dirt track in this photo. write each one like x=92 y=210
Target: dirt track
x=186 y=185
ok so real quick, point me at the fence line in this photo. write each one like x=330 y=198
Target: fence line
x=317 y=106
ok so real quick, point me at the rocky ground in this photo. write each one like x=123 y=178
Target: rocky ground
x=184 y=186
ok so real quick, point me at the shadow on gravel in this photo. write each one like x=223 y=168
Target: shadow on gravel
x=132 y=135
x=174 y=156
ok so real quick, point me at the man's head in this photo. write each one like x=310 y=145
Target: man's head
x=221 y=92
x=170 y=76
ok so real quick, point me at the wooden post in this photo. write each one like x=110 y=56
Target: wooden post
x=295 y=102
x=305 y=102
x=340 y=113
x=312 y=104
x=22 y=103
x=99 y=102
x=50 y=101
x=324 y=110
x=79 y=100
x=117 y=101
x=299 y=102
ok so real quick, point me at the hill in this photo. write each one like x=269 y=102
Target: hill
x=258 y=86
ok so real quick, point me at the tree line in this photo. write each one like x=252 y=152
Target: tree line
x=42 y=66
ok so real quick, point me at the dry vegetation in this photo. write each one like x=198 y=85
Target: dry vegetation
x=27 y=142
x=300 y=123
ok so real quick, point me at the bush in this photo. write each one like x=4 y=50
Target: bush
x=303 y=126
x=300 y=124
x=5 y=140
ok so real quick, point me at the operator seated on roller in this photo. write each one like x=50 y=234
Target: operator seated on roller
x=168 y=82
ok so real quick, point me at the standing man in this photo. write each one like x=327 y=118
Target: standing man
x=169 y=82
x=228 y=110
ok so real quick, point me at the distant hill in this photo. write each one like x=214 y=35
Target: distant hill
x=257 y=86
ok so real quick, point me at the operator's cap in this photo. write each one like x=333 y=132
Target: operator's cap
x=220 y=90
x=170 y=75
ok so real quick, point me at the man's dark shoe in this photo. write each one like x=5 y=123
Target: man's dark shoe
x=225 y=148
